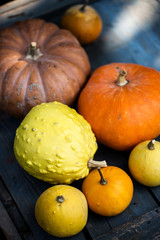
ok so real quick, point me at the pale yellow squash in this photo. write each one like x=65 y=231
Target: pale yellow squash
x=144 y=163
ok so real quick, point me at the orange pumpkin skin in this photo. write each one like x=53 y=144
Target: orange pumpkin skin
x=122 y=116
x=112 y=198
x=85 y=24
x=56 y=71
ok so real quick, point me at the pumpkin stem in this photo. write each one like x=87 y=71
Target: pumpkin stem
x=121 y=80
x=60 y=199
x=151 y=145
x=33 y=52
x=82 y=9
x=94 y=164
x=102 y=181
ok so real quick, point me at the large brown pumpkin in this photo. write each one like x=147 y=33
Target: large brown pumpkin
x=39 y=62
x=121 y=101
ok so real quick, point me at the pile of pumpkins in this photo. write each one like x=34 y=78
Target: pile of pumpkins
x=44 y=70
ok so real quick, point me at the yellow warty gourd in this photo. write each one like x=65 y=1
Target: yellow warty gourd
x=54 y=143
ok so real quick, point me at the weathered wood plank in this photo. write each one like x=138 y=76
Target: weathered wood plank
x=97 y=224
x=4 y=195
x=156 y=192
x=23 y=9
x=14 y=213
x=144 y=227
x=12 y=210
x=7 y=225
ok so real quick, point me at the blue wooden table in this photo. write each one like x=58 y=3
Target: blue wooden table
x=130 y=33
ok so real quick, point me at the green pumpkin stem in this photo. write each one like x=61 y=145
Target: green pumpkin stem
x=82 y=9
x=151 y=145
x=121 y=80
x=33 y=52
x=102 y=181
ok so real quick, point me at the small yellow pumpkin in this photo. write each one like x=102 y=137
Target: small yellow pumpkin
x=144 y=163
x=83 y=21
x=62 y=211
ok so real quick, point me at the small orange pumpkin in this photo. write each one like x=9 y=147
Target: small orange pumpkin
x=121 y=101
x=108 y=193
x=83 y=21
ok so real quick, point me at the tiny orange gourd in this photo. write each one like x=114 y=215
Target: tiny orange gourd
x=83 y=21
x=108 y=193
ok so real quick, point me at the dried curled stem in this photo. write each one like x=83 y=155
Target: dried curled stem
x=96 y=164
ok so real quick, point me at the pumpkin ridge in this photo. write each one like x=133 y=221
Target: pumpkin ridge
x=8 y=61
x=85 y=70
x=16 y=28
x=70 y=37
x=26 y=85
x=12 y=31
x=66 y=71
x=29 y=87
x=75 y=48
x=65 y=81
x=42 y=81
x=69 y=87
x=40 y=31
x=49 y=57
x=11 y=48
x=60 y=92
x=3 y=83
x=63 y=44
x=30 y=30
x=7 y=39
x=49 y=38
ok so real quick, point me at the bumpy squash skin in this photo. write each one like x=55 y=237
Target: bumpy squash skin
x=144 y=164
x=57 y=72
x=122 y=116
x=54 y=143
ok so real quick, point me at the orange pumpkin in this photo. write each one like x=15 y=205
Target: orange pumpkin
x=83 y=21
x=39 y=62
x=108 y=193
x=121 y=101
